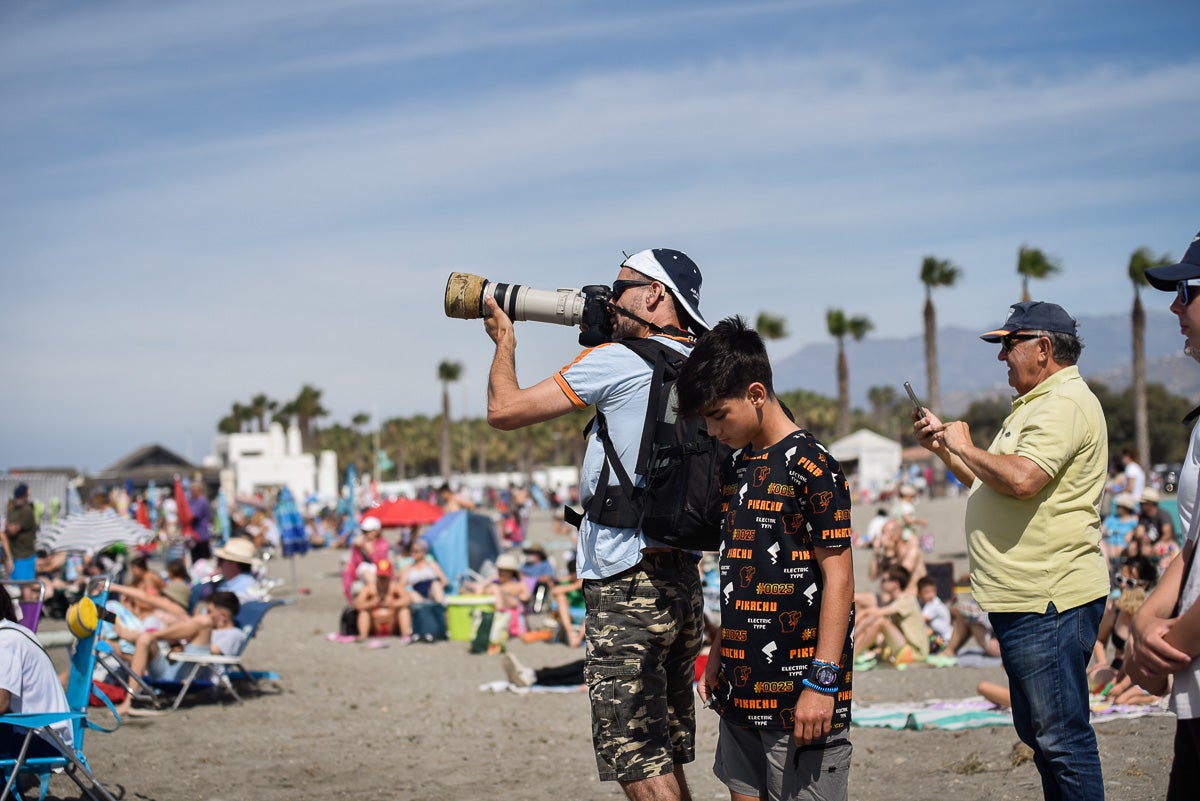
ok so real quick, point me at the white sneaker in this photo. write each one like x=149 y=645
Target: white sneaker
x=517 y=673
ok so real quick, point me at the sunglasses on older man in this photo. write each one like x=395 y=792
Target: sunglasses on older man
x=1009 y=341
x=1186 y=291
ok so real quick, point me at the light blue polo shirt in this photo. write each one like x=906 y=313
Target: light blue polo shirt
x=617 y=381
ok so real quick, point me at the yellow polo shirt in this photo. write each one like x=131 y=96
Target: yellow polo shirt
x=1028 y=553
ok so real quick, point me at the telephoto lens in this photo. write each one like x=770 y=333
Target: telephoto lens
x=465 y=294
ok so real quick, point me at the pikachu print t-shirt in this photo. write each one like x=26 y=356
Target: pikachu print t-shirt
x=779 y=503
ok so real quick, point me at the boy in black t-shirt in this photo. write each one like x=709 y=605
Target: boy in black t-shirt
x=778 y=674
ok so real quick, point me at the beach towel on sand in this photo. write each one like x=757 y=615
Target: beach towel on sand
x=967 y=713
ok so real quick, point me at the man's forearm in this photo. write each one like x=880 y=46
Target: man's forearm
x=502 y=382
x=1009 y=474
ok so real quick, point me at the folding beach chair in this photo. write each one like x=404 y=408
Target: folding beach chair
x=222 y=668
x=31 y=595
x=70 y=759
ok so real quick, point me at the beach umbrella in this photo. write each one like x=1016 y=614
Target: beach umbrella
x=223 y=514
x=142 y=513
x=152 y=503
x=184 y=511
x=347 y=507
x=292 y=534
x=405 y=512
x=92 y=532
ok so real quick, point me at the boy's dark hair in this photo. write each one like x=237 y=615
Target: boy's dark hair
x=8 y=609
x=899 y=573
x=227 y=601
x=926 y=581
x=722 y=365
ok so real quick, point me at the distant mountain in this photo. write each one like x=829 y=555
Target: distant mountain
x=970 y=370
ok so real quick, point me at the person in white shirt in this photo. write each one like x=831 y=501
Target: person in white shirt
x=1165 y=638
x=28 y=683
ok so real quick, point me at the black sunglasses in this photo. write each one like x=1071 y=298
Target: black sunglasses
x=619 y=287
x=1186 y=292
x=1008 y=341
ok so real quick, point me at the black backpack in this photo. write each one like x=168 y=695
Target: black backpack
x=680 y=503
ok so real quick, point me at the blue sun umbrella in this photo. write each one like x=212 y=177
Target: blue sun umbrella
x=292 y=535
x=223 y=515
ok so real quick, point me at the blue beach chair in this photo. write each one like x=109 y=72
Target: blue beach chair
x=220 y=670
x=70 y=759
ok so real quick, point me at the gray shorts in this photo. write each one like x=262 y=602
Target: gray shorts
x=763 y=763
x=644 y=629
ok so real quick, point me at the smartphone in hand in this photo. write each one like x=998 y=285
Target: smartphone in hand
x=915 y=402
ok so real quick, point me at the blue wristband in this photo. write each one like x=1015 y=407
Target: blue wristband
x=820 y=689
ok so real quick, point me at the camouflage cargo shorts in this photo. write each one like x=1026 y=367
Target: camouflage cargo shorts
x=644 y=630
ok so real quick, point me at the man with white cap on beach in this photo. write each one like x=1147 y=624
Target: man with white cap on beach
x=644 y=606
x=1165 y=638
x=1033 y=535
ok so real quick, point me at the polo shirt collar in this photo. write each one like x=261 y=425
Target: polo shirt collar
x=1053 y=382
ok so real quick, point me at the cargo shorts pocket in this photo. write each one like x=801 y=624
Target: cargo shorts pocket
x=613 y=684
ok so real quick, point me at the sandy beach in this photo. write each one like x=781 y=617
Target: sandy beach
x=410 y=722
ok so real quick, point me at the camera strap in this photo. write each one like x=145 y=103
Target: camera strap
x=670 y=330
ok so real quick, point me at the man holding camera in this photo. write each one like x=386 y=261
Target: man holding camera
x=644 y=607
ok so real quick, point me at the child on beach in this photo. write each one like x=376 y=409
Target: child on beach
x=897 y=629
x=936 y=614
x=778 y=669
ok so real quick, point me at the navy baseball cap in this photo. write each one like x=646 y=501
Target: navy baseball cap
x=21 y=491
x=1033 y=315
x=1188 y=268
x=677 y=272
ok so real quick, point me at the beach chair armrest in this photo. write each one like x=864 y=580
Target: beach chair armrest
x=203 y=659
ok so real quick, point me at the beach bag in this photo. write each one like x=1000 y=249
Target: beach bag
x=680 y=502
x=429 y=621
x=489 y=631
x=349 y=622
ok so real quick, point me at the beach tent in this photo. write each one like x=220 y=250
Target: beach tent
x=462 y=542
x=873 y=457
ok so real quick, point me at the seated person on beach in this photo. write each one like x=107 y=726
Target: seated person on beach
x=936 y=614
x=897 y=628
x=891 y=549
x=1119 y=527
x=423 y=577
x=1136 y=579
x=537 y=565
x=179 y=583
x=235 y=564
x=970 y=621
x=214 y=632
x=27 y=684
x=510 y=592
x=568 y=593
x=383 y=606
x=142 y=577
x=368 y=548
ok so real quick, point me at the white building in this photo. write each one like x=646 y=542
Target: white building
x=256 y=461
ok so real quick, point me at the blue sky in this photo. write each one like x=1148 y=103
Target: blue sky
x=206 y=200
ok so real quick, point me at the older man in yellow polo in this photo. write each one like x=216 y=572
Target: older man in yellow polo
x=1033 y=535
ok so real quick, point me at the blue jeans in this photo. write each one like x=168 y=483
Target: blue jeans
x=1046 y=658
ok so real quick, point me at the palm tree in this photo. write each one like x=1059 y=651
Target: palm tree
x=260 y=407
x=448 y=373
x=770 y=327
x=1032 y=263
x=1140 y=261
x=840 y=326
x=307 y=408
x=934 y=273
